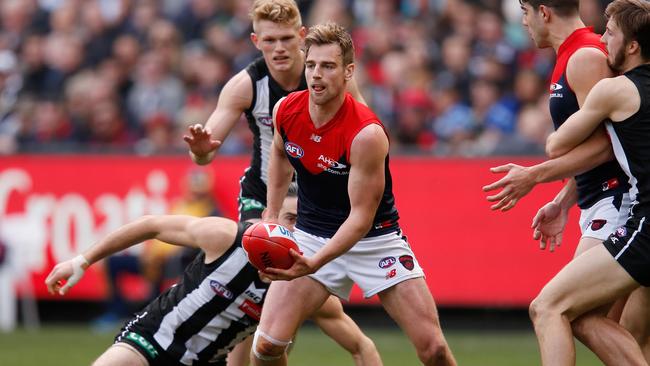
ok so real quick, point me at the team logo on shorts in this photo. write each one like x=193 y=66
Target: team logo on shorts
x=407 y=262
x=294 y=150
x=621 y=232
x=221 y=290
x=387 y=262
x=597 y=224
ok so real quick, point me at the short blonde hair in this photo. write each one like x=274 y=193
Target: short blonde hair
x=276 y=11
x=331 y=33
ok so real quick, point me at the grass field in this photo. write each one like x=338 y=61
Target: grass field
x=77 y=345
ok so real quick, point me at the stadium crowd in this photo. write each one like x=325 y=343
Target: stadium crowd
x=447 y=77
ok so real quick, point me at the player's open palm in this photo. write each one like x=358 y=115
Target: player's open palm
x=200 y=140
x=548 y=225
x=514 y=185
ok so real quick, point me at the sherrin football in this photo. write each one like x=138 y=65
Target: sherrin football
x=267 y=245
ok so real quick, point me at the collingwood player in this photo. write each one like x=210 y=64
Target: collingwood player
x=278 y=34
x=214 y=307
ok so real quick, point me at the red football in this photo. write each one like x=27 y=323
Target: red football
x=267 y=245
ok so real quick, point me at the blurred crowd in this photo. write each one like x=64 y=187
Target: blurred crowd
x=447 y=77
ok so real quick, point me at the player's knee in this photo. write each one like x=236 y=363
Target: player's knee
x=434 y=352
x=267 y=348
x=582 y=326
x=538 y=309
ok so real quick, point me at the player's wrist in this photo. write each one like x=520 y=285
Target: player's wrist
x=80 y=263
x=202 y=159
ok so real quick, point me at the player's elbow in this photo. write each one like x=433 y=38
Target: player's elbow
x=553 y=148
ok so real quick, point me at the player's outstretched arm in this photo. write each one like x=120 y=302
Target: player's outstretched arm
x=280 y=173
x=520 y=180
x=212 y=234
x=234 y=99
x=331 y=319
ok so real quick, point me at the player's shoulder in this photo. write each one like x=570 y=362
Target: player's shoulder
x=214 y=234
x=588 y=54
x=257 y=69
x=294 y=101
x=239 y=86
x=613 y=90
x=371 y=136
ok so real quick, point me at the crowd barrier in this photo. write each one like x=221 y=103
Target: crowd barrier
x=52 y=207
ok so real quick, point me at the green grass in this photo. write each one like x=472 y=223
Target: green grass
x=77 y=345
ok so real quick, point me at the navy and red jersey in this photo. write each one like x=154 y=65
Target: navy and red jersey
x=321 y=158
x=607 y=179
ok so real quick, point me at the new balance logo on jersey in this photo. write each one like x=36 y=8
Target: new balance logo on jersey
x=314 y=137
x=294 y=150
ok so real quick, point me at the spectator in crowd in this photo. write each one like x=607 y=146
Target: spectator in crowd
x=149 y=50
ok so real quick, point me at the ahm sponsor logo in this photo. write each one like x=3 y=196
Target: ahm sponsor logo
x=294 y=150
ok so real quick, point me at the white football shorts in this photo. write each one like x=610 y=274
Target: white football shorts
x=374 y=263
x=603 y=218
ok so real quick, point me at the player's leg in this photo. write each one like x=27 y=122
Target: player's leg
x=591 y=280
x=341 y=328
x=240 y=355
x=636 y=318
x=287 y=305
x=411 y=305
x=593 y=330
x=121 y=354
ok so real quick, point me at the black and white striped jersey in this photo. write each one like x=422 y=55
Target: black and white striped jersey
x=631 y=142
x=214 y=307
x=266 y=92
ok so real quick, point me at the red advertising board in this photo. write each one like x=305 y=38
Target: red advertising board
x=53 y=207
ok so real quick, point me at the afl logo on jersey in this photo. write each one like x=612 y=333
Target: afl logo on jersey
x=294 y=150
x=555 y=86
x=265 y=120
x=221 y=290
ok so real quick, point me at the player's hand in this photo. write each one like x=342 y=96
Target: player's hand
x=65 y=275
x=548 y=225
x=515 y=184
x=302 y=266
x=201 y=142
x=268 y=216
